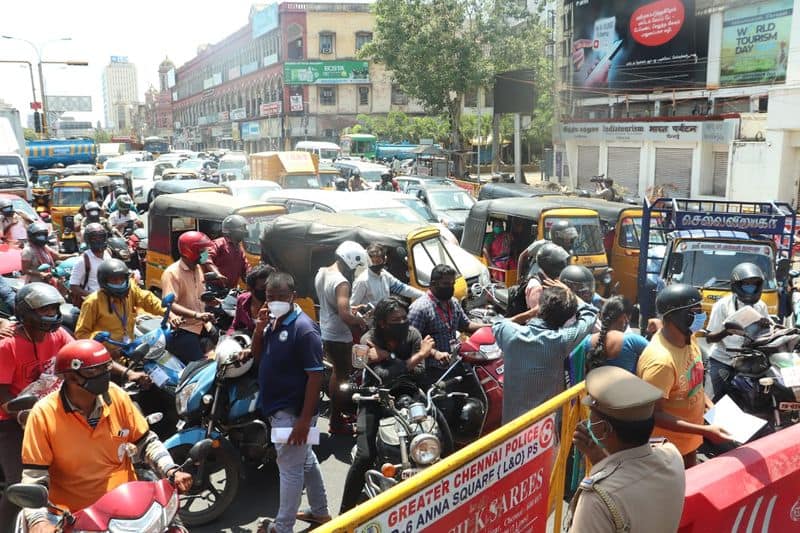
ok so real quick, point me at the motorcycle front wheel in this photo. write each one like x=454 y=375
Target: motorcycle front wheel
x=214 y=493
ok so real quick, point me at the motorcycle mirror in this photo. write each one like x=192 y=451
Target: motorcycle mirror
x=360 y=356
x=794 y=273
x=27 y=495
x=168 y=299
x=211 y=276
x=141 y=351
x=154 y=418
x=200 y=450
x=207 y=297
x=102 y=336
x=20 y=403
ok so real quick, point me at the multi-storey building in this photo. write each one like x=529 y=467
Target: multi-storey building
x=119 y=92
x=687 y=97
x=158 y=102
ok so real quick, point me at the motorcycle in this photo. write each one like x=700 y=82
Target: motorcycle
x=133 y=506
x=220 y=301
x=219 y=399
x=69 y=237
x=137 y=243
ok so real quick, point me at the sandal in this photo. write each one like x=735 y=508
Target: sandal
x=307 y=516
x=266 y=526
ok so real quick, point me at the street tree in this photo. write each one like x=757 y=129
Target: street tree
x=101 y=136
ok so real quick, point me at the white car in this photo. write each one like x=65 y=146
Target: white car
x=144 y=175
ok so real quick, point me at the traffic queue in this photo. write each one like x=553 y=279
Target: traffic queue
x=150 y=354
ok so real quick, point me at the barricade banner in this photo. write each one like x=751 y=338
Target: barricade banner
x=469 y=186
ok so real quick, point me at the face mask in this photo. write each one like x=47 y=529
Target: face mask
x=376 y=268
x=8 y=214
x=698 y=322
x=203 y=257
x=348 y=274
x=40 y=239
x=497 y=230
x=749 y=289
x=97 y=246
x=443 y=293
x=594 y=438
x=49 y=323
x=278 y=308
x=118 y=289
x=97 y=385
x=93 y=215
x=398 y=332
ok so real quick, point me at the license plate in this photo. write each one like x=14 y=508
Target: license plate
x=789 y=406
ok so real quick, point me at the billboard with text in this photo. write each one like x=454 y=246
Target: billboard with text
x=625 y=45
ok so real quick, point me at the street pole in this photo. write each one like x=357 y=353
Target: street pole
x=44 y=105
x=517 y=148
x=478 y=135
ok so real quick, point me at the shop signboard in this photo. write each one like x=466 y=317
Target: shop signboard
x=270 y=108
x=216 y=131
x=504 y=489
x=715 y=132
x=249 y=67
x=223 y=116
x=250 y=130
x=296 y=102
x=631 y=44
x=235 y=131
x=755 y=42
x=325 y=72
x=270 y=59
x=263 y=20
x=238 y=114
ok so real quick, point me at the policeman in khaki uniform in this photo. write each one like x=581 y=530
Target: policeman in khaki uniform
x=634 y=486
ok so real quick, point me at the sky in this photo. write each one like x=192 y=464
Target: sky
x=146 y=31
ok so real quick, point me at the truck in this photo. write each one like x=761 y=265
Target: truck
x=385 y=151
x=13 y=167
x=290 y=170
x=49 y=152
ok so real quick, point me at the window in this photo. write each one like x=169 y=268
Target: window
x=327 y=96
x=362 y=38
x=363 y=96
x=398 y=96
x=326 y=43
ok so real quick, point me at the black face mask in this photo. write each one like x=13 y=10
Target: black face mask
x=348 y=273
x=40 y=239
x=97 y=385
x=93 y=215
x=376 y=268
x=261 y=295
x=398 y=332
x=443 y=293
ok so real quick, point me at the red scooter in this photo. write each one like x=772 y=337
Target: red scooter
x=150 y=506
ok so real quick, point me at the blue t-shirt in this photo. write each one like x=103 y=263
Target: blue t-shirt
x=632 y=347
x=290 y=350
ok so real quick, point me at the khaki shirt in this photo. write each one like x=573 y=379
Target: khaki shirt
x=187 y=286
x=646 y=485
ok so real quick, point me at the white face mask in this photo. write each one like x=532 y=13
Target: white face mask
x=278 y=308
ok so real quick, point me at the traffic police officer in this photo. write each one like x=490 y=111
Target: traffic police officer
x=634 y=485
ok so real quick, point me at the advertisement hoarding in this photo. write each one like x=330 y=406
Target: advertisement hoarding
x=629 y=45
x=270 y=108
x=263 y=20
x=251 y=130
x=238 y=114
x=755 y=43
x=325 y=72
x=82 y=104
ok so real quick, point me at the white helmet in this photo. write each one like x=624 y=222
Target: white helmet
x=228 y=353
x=353 y=254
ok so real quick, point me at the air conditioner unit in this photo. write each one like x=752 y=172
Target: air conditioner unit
x=326 y=50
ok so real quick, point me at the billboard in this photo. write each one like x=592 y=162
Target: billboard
x=171 y=78
x=755 y=43
x=514 y=92
x=81 y=104
x=325 y=72
x=634 y=44
x=263 y=20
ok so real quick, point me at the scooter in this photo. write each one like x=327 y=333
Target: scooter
x=149 y=506
x=220 y=301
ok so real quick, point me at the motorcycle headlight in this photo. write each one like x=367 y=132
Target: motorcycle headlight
x=425 y=449
x=183 y=397
x=150 y=522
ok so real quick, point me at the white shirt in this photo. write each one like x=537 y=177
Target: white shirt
x=118 y=219
x=79 y=270
x=369 y=287
x=720 y=313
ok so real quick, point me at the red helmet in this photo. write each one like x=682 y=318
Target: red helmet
x=191 y=244
x=82 y=354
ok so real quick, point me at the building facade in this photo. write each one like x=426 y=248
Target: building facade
x=120 y=86
x=158 y=103
x=694 y=101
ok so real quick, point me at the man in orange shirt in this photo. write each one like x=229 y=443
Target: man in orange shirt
x=82 y=440
x=673 y=363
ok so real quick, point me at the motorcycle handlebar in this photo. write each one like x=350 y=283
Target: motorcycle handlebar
x=358 y=397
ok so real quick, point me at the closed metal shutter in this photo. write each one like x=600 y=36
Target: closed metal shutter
x=588 y=161
x=674 y=171
x=623 y=168
x=720 y=175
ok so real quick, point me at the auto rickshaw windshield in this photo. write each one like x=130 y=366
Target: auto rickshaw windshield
x=71 y=196
x=255 y=228
x=590 y=237
x=427 y=254
x=708 y=264
x=301 y=181
x=632 y=231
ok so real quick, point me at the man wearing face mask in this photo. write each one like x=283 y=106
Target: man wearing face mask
x=12 y=224
x=82 y=440
x=37 y=253
x=123 y=215
x=633 y=485
x=673 y=363
x=184 y=278
x=91 y=214
x=83 y=280
x=24 y=358
x=377 y=283
x=337 y=322
x=227 y=253
x=288 y=352
x=747 y=282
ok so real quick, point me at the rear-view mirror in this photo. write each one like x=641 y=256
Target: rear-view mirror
x=676 y=264
x=102 y=336
x=27 y=495
x=168 y=299
x=360 y=356
x=21 y=403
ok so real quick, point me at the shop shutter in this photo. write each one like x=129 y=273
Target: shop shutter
x=623 y=168
x=588 y=157
x=720 y=175
x=674 y=171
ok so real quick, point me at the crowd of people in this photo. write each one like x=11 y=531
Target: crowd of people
x=561 y=333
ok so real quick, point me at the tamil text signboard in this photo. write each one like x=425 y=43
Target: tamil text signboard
x=325 y=72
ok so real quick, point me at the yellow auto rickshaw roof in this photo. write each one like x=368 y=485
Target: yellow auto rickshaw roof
x=212 y=205
x=96 y=180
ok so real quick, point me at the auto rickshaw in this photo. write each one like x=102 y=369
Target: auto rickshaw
x=180 y=186
x=303 y=242
x=327 y=177
x=171 y=215
x=536 y=216
x=42 y=188
x=119 y=178
x=68 y=196
x=494 y=191
x=175 y=174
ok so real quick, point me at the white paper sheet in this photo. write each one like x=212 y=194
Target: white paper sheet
x=281 y=435
x=158 y=376
x=729 y=417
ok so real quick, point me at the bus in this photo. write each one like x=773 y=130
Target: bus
x=326 y=152
x=358 y=144
x=156 y=146
x=130 y=143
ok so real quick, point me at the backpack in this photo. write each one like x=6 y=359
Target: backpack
x=75 y=298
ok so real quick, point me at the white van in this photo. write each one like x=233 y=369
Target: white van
x=326 y=151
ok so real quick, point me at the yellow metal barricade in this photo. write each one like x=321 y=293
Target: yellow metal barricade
x=425 y=487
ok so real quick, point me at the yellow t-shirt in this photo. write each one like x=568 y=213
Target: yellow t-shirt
x=678 y=372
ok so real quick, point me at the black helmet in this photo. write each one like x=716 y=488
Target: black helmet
x=580 y=280
x=95 y=236
x=235 y=227
x=35 y=296
x=386 y=176
x=341 y=184
x=470 y=418
x=111 y=268
x=563 y=233
x=90 y=208
x=124 y=202
x=120 y=191
x=552 y=259
x=747 y=282
x=6 y=207
x=674 y=304
x=38 y=233
x=119 y=248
